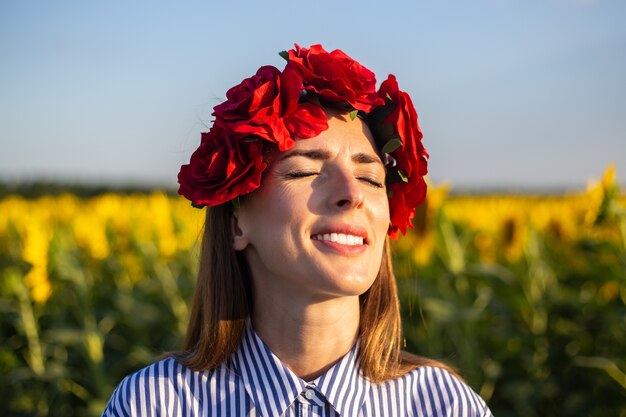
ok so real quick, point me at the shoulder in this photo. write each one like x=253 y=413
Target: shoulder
x=162 y=387
x=430 y=390
x=125 y=400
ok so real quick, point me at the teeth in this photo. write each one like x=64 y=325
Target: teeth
x=340 y=238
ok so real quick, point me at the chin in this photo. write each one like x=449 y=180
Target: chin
x=349 y=285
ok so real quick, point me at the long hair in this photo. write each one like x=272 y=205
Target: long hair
x=222 y=303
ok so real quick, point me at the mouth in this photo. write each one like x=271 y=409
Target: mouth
x=340 y=238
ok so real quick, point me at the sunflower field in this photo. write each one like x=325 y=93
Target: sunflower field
x=525 y=295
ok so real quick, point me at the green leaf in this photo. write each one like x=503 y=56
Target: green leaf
x=284 y=54
x=392 y=145
x=389 y=97
x=236 y=202
x=353 y=114
x=403 y=176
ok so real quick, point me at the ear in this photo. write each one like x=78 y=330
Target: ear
x=240 y=240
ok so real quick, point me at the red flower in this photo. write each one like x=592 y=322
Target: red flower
x=269 y=108
x=402 y=205
x=266 y=105
x=409 y=187
x=335 y=76
x=221 y=169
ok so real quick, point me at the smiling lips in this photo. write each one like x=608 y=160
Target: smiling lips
x=341 y=238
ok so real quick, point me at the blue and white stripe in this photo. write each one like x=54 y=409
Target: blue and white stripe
x=254 y=382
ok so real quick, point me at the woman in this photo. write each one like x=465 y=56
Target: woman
x=306 y=171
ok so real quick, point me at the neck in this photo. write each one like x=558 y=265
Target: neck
x=307 y=337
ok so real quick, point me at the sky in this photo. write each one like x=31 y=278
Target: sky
x=510 y=93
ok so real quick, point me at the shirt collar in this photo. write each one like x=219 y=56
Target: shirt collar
x=273 y=387
x=344 y=386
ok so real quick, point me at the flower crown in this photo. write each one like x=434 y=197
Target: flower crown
x=273 y=108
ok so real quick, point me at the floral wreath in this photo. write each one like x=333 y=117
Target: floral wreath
x=273 y=108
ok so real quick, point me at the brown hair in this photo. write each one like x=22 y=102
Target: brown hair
x=222 y=304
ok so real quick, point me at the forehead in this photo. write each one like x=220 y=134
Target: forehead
x=343 y=132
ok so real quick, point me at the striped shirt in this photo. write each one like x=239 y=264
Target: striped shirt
x=254 y=382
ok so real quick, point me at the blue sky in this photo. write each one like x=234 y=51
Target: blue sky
x=510 y=93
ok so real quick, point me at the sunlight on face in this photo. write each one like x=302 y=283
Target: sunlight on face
x=317 y=225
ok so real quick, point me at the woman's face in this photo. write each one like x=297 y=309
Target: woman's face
x=317 y=225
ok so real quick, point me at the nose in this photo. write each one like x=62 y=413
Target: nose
x=347 y=192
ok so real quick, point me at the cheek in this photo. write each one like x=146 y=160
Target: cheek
x=273 y=212
x=380 y=210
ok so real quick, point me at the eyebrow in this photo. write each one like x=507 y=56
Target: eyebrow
x=318 y=155
x=322 y=155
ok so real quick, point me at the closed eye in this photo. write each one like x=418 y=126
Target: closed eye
x=372 y=182
x=301 y=174
x=304 y=174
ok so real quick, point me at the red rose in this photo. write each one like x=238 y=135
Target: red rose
x=267 y=108
x=335 y=76
x=410 y=157
x=403 y=203
x=221 y=169
x=266 y=105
